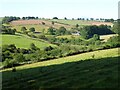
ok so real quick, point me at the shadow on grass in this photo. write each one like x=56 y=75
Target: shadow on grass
x=92 y=74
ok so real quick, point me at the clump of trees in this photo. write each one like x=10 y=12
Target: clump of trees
x=8 y=31
x=32 y=29
x=8 y=19
x=55 y=17
x=116 y=27
x=29 y=17
x=60 y=31
x=88 y=31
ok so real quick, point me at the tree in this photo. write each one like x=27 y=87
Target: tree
x=85 y=32
x=91 y=19
x=61 y=31
x=19 y=57
x=55 y=17
x=53 y=23
x=77 y=25
x=23 y=18
x=23 y=29
x=32 y=46
x=116 y=27
x=49 y=48
x=96 y=37
x=42 y=37
x=65 y=18
x=51 y=31
x=43 y=23
x=32 y=29
x=36 y=18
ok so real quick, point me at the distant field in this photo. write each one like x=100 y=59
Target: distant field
x=81 y=22
x=102 y=71
x=22 y=41
x=37 y=24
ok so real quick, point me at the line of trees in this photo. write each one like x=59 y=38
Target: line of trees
x=29 y=17
x=8 y=19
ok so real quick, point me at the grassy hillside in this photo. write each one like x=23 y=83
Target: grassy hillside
x=22 y=41
x=102 y=71
x=38 y=28
x=80 y=22
x=37 y=24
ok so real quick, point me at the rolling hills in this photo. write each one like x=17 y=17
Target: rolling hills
x=37 y=24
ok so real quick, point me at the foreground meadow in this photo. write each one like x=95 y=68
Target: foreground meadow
x=78 y=71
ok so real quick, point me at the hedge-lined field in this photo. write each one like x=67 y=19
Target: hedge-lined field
x=22 y=41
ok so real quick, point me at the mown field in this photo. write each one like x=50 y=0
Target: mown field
x=37 y=24
x=22 y=41
x=78 y=71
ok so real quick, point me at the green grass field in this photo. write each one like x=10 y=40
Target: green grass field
x=73 y=22
x=72 y=71
x=22 y=41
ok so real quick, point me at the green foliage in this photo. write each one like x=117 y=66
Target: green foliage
x=19 y=57
x=8 y=19
x=55 y=17
x=61 y=31
x=77 y=25
x=32 y=29
x=88 y=31
x=49 y=48
x=33 y=47
x=51 y=31
x=114 y=41
x=27 y=18
x=23 y=29
x=41 y=36
x=116 y=27
x=96 y=37
x=8 y=31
